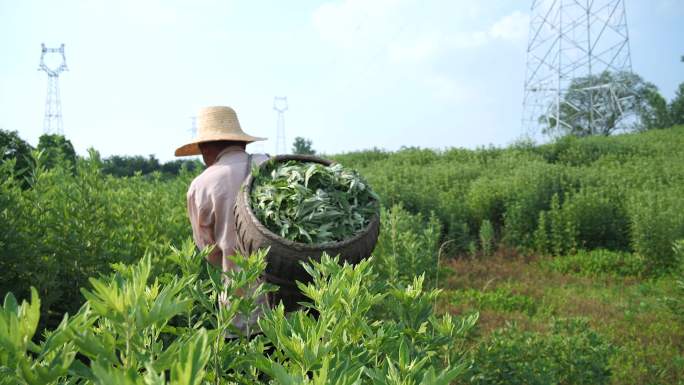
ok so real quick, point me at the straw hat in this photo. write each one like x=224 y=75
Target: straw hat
x=215 y=123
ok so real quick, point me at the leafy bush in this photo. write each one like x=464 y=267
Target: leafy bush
x=676 y=302
x=409 y=347
x=657 y=221
x=573 y=151
x=57 y=150
x=571 y=353
x=599 y=262
x=69 y=226
x=501 y=298
x=556 y=232
x=487 y=237
x=14 y=149
x=512 y=198
x=600 y=218
x=604 y=188
x=135 y=330
x=408 y=245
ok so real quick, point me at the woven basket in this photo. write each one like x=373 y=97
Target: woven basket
x=285 y=257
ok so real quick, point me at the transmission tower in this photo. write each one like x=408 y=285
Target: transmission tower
x=280 y=105
x=575 y=39
x=52 y=122
x=193 y=126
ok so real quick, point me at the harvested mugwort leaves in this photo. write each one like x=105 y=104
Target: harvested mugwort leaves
x=312 y=203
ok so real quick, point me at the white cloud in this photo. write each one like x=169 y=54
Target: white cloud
x=412 y=30
x=150 y=11
x=447 y=89
x=157 y=13
x=511 y=27
x=468 y=39
x=414 y=50
x=354 y=23
x=415 y=36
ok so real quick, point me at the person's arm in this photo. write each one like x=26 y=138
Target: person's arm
x=201 y=217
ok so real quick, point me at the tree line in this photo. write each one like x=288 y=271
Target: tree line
x=53 y=149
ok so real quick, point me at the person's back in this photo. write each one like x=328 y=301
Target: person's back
x=211 y=196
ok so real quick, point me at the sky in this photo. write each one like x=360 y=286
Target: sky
x=358 y=74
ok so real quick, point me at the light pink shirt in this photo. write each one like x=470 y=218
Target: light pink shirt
x=211 y=198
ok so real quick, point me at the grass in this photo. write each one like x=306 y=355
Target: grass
x=627 y=310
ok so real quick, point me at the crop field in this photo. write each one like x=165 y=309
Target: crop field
x=560 y=263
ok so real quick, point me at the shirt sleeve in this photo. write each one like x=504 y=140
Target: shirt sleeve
x=201 y=216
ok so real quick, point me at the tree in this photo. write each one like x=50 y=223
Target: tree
x=602 y=104
x=677 y=105
x=654 y=113
x=118 y=165
x=302 y=146
x=122 y=166
x=13 y=147
x=174 y=167
x=57 y=150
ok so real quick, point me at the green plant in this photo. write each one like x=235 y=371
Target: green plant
x=408 y=245
x=486 y=237
x=618 y=206
x=556 y=232
x=57 y=150
x=472 y=249
x=69 y=226
x=344 y=345
x=15 y=149
x=501 y=299
x=137 y=329
x=599 y=262
x=600 y=182
x=676 y=302
x=600 y=218
x=657 y=220
x=22 y=360
x=571 y=353
x=677 y=105
x=312 y=203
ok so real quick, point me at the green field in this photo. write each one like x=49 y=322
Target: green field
x=556 y=263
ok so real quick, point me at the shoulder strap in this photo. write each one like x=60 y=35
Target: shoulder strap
x=249 y=164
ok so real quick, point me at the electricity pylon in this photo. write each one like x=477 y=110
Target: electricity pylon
x=193 y=127
x=280 y=105
x=575 y=40
x=52 y=121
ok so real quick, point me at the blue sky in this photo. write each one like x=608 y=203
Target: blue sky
x=357 y=73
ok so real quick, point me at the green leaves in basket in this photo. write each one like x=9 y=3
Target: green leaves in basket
x=312 y=203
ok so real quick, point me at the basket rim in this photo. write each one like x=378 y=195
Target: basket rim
x=246 y=190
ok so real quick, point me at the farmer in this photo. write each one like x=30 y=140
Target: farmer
x=211 y=196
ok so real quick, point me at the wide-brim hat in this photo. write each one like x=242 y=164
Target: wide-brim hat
x=213 y=124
